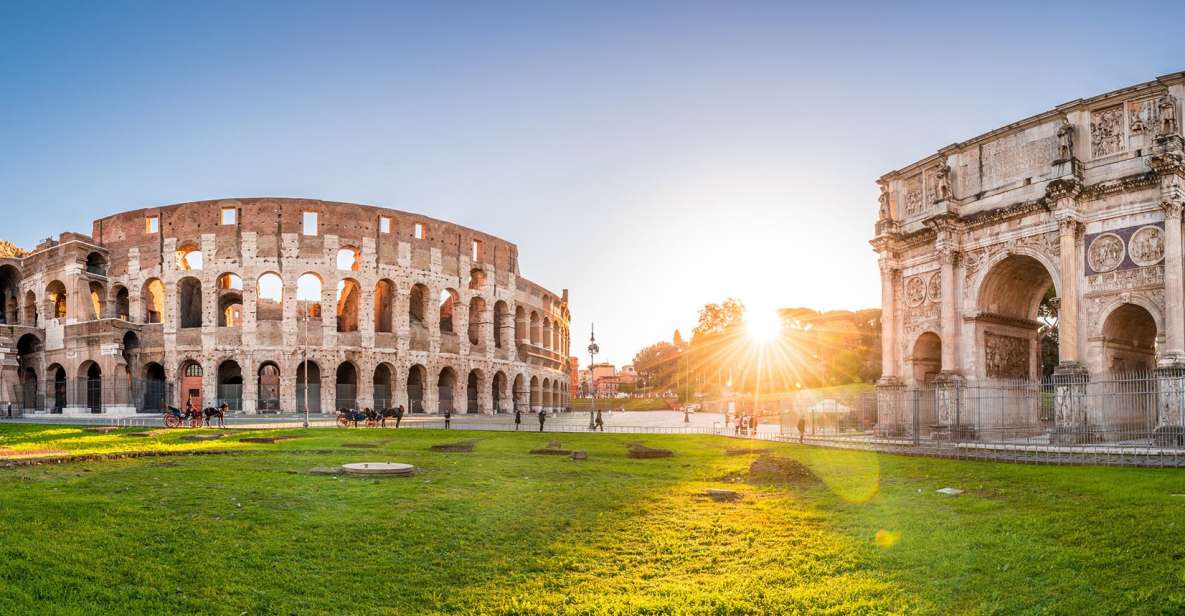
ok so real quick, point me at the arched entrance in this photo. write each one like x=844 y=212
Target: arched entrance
x=520 y=393
x=472 y=405
x=268 y=388
x=28 y=349
x=1016 y=317
x=308 y=387
x=230 y=385
x=926 y=358
x=1129 y=340
x=536 y=401
x=93 y=385
x=154 y=395
x=416 y=375
x=346 y=394
x=57 y=386
x=191 y=385
x=382 y=386
x=498 y=392
x=446 y=384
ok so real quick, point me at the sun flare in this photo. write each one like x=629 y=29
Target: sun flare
x=763 y=325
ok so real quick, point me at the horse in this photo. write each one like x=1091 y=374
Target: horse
x=384 y=414
x=210 y=412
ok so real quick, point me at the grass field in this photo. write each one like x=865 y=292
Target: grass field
x=500 y=531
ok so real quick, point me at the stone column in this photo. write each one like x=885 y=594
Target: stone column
x=889 y=275
x=1170 y=413
x=949 y=311
x=1069 y=232
x=1070 y=377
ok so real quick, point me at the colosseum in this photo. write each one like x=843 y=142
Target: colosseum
x=275 y=306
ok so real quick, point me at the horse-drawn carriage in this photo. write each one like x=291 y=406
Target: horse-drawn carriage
x=372 y=419
x=176 y=418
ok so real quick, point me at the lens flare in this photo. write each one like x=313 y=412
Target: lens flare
x=763 y=326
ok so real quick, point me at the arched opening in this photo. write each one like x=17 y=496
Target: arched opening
x=536 y=329
x=346 y=396
x=520 y=325
x=192 y=375
x=92 y=386
x=349 y=259
x=189 y=257
x=536 y=399
x=230 y=300
x=308 y=296
x=499 y=323
x=498 y=392
x=417 y=309
x=98 y=299
x=96 y=264
x=130 y=352
x=1017 y=319
x=520 y=394
x=30 y=309
x=230 y=385
x=349 y=294
x=28 y=348
x=123 y=304
x=383 y=391
x=926 y=358
x=446 y=384
x=189 y=302
x=308 y=387
x=477 y=310
x=57 y=387
x=472 y=392
x=55 y=294
x=546 y=338
x=545 y=392
x=384 y=306
x=154 y=394
x=416 y=376
x=477 y=278
x=1129 y=339
x=153 y=297
x=10 y=280
x=448 y=305
x=268 y=388
x=269 y=302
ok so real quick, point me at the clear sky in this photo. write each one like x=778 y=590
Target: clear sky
x=650 y=157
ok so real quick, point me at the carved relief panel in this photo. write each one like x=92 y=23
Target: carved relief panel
x=1006 y=357
x=914 y=199
x=1105 y=252
x=1106 y=131
x=1124 y=249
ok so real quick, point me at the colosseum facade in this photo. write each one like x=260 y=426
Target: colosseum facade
x=228 y=301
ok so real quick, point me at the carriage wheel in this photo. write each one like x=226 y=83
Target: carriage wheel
x=172 y=421
x=343 y=422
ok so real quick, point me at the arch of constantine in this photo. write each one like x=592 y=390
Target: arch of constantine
x=1079 y=207
x=275 y=305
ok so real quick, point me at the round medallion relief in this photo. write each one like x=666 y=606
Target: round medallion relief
x=1146 y=246
x=1106 y=252
x=915 y=291
x=934 y=289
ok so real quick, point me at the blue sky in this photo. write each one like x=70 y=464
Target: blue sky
x=650 y=157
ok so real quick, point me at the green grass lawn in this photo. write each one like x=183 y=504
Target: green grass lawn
x=500 y=531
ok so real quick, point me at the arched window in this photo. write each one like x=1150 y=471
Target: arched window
x=189 y=257
x=448 y=304
x=55 y=292
x=153 y=297
x=189 y=302
x=384 y=306
x=349 y=259
x=349 y=294
x=269 y=303
x=308 y=295
x=230 y=300
x=477 y=309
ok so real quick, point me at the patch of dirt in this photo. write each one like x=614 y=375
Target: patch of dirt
x=30 y=453
x=360 y=445
x=457 y=447
x=548 y=451
x=744 y=451
x=640 y=451
x=780 y=470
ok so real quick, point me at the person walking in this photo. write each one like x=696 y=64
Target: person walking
x=542 y=418
x=448 y=414
x=801 y=429
x=600 y=421
x=398 y=415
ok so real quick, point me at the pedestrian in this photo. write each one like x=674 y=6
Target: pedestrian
x=518 y=418
x=398 y=415
x=686 y=416
x=448 y=414
x=592 y=419
x=542 y=418
x=600 y=422
x=801 y=429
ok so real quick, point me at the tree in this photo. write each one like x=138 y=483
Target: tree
x=658 y=362
x=718 y=318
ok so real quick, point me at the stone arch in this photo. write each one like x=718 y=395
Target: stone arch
x=269 y=297
x=55 y=388
x=520 y=395
x=477 y=309
x=992 y=277
x=536 y=329
x=349 y=296
x=446 y=386
x=10 y=280
x=90 y=383
x=55 y=296
x=28 y=347
x=547 y=333
x=308 y=386
x=31 y=312
x=521 y=334
x=449 y=298
x=309 y=289
x=417 y=377
x=230 y=385
x=154 y=391
x=501 y=328
x=189 y=302
x=536 y=398
x=189 y=257
x=1009 y=293
x=349 y=259
x=383 y=384
x=417 y=313
x=96 y=264
x=477 y=278
x=499 y=393
x=192 y=378
x=97 y=294
x=1129 y=335
x=474 y=384
x=267 y=387
x=926 y=357
x=384 y=306
x=230 y=300
x=346 y=386
x=153 y=297
x=545 y=392
x=123 y=303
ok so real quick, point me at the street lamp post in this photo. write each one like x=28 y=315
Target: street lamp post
x=304 y=348
x=593 y=349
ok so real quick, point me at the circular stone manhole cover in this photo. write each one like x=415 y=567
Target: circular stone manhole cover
x=378 y=468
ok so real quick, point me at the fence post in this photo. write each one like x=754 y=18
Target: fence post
x=917 y=393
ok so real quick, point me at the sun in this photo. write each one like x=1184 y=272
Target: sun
x=763 y=326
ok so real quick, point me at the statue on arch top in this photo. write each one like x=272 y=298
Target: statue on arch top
x=1065 y=140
